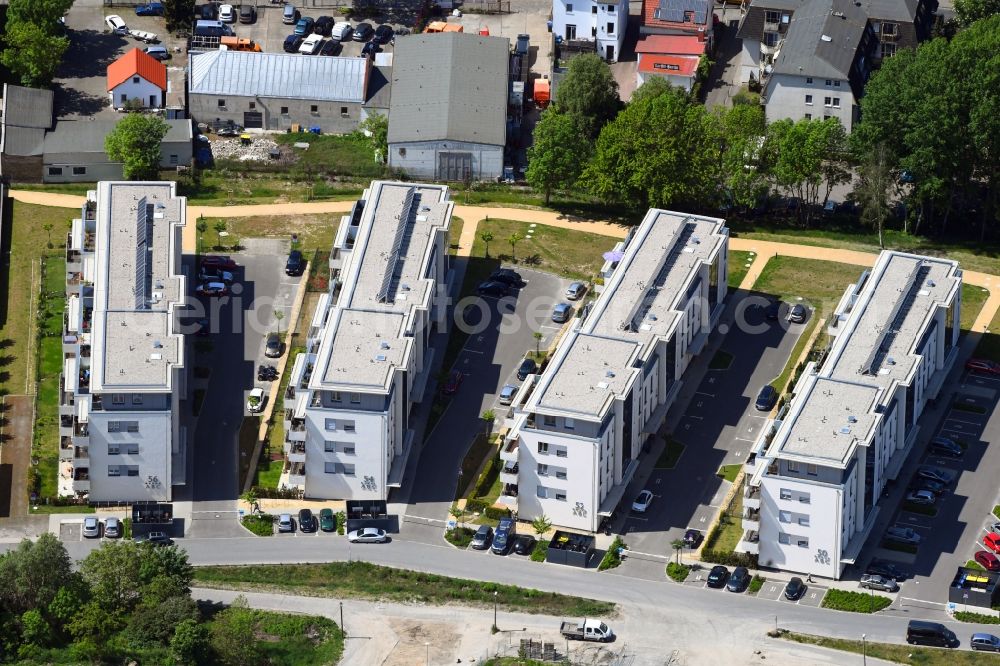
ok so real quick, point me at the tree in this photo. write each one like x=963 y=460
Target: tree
x=970 y=11
x=35 y=630
x=875 y=183
x=457 y=512
x=653 y=87
x=278 y=316
x=233 y=635
x=803 y=151
x=252 y=498
x=135 y=142
x=189 y=643
x=513 y=239
x=155 y=623
x=32 y=574
x=487 y=238
x=177 y=13
x=376 y=128
x=220 y=228
x=48 y=233
x=488 y=417
x=742 y=164
x=557 y=153
x=43 y=13
x=541 y=525
x=537 y=335
x=32 y=54
x=678 y=545
x=114 y=575
x=588 y=92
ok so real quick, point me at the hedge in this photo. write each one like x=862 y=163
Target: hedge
x=678 y=572
x=613 y=557
x=540 y=551
x=855 y=602
x=747 y=560
x=489 y=511
x=978 y=618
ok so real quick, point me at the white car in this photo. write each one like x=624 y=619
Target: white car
x=642 y=501
x=342 y=32
x=116 y=24
x=227 y=14
x=91 y=527
x=143 y=36
x=368 y=535
x=256 y=400
x=311 y=44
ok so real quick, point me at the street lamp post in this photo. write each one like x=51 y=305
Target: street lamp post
x=495 y=628
x=864 y=650
x=427 y=656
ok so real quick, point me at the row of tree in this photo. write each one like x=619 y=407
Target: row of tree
x=33 y=39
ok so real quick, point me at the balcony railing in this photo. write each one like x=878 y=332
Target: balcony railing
x=297 y=447
x=752 y=492
x=81 y=430
x=509 y=490
x=298 y=425
x=510 y=469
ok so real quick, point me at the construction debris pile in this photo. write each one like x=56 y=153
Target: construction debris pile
x=257 y=148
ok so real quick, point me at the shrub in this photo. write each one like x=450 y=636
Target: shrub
x=341 y=517
x=747 y=560
x=756 y=584
x=460 y=537
x=613 y=557
x=540 y=551
x=260 y=524
x=978 y=618
x=678 y=572
x=855 y=602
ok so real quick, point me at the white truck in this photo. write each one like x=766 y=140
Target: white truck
x=587 y=629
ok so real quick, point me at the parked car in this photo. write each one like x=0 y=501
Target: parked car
x=256 y=400
x=987 y=560
x=575 y=291
x=507 y=394
x=902 y=535
x=208 y=12
x=692 y=538
x=985 y=642
x=522 y=44
x=371 y=48
x=924 y=497
x=876 y=582
x=116 y=24
x=218 y=262
x=368 y=535
x=794 y=588
x=766 y=399
x=273 y=347
x=586 y=629
x=159 y=52
x=311 y=45
x=524 y=544
x=528 y=367
x=503 y=539
x=149 y=9
x=342 y=32
x=481 y=539
x=718 y=576
x=887 y=569
x=992 y=541
x=935 y=487
x=384 y=34
x=983 y=365
x=289 y=15
x=798 y=313
x=227 y=14
x=363 y=32
x=330 y=48
x=492 y=288
x=562 y=312
x=327 y=521
x=454 y=381
x=934 y=474
x=155 y=538
x=112 y=528
x=214 y=275
x=919 y=632
x=91 y=527
x=304 y=26
x=212 y=289
x=739 y=580
x=323 y=25
x=285 y=523
x=296 y=263
x=946 y=447
x=642 y=501
x=307 y=521
x=509 y=277
x=248 y=14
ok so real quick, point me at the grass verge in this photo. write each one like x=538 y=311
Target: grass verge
x=973 y=300
x=459 y=537
x=855 y=602
x=612 y=558
x=473 y=460
x=363 y=580
x=262 y=525
x=902 y=654
x=51 y=308
x=756 y=583
x=729 y=531
x=671 y=454
x=972 y=564
x=738 y=269
x=729 y=472
x=566 y=252
x=976 y=618
x=678 y=572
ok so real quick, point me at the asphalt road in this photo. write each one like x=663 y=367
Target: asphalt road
x=489 y=360
x=719 y=426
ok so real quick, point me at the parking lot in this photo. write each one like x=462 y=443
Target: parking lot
x=269 y=31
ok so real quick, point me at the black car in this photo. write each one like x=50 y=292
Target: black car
x=718 y=576
x=330 y=48
x=292 y=43
x=209 y=12
x=528 y=367
x=155 y=538
x=307 y=521
x=295 y=264
x=766 y=398
x=363 y=32
x=492 y=288
x=507 y=276
x=798 y=313
x=794 y=589
x=887 y=569
x=524 y=544
x=384 y=34
x=323 y=25
x=739 y=580
x=946 y=447
x=371 y=48
x=248 y=14
x=935 y=487
x=692 y=538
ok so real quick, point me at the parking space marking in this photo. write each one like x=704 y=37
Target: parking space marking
x=771 y=591
x=813 y=596
x=710 y=395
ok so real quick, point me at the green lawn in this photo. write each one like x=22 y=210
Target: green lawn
x=455 y=233
x=738 y=260
x=901 y=654
x=51 y=306
x=678 y=572
x=362 y=580
x=271 y=460
x=973 y=300
x=332 y=154
x=671 y=454
x=755 y=584
x=818 y=283
x=480 y=448
x=730 y=529
x=977 y=618
x=989 y=344
x=566 y=252
x=315 y=232
x=303 y=640
x=729 y=472
x=262 y=525
x=459 y=537
x=855 y=602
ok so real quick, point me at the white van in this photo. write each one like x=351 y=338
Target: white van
x=342 y=32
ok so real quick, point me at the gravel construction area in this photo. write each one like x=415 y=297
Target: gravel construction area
x=259 y=149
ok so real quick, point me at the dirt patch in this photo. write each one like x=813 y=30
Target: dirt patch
x=422 y=642
x=313 y=231
x=15 y=455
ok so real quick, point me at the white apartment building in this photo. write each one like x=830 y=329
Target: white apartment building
x=574 y=444
x=816 y=475
x=123 y=374
x=590 y=21
x=347 y=406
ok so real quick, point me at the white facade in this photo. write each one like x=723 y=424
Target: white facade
x=137 y=87
x=576 y=440
x=447 y=160
x=367 y=360
x=588 y=20
x=123 y=352
x=816 y=475
x=798 y=97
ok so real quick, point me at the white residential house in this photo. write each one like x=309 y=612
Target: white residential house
x=587 y=20
x=123 y=370
x=367 y=358
x=816 y=475
x=574 y=442
x=139 y=78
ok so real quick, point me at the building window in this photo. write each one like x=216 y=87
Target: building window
x=782 y=538
x=135 y=79
x=114 y=470
x=836 y=84
x=836 y=102
x=804 y=521
x=560 y=496
x=284 y=110
x=785 y=516
x=827 y=101
x=131 y=426
x=771 y=39
x=888 y=50
x=338 y=468
x=329 y=447
x=549 y=420
x=543 y=448
x=812 y=470
x=330 y=425
x=117 y=398
x=786 y=494
x=688 y=17
x=593 y=31
x=402 y=152
x=79 y=171
x=611 y=9
x=829 y=83
x=771 y=17
x=114 y=449
x=593 y=10
x=809 y=100
x=570 y=33
x=569 y=8
x=335 y=396
x=611 y=28
x=314 y=109
x=543 y=470
x=222 y=103
x=136 y=399
x=132 y=470
x=343 y=112
x=114 y=426
x=252 y=105
x=542 y=492
x=355 y=398
x=803 y=543
x=569 y=424
x=793 y=466
x=55 y=171
x=561 y=475
x=804 y=498
x=809 y=80
x=124 y=99
x=131 y=449
x=826 y=116
x=347 y=449
x=348 y=426
x=809 y=116
x=173 y=159
x=561 y=453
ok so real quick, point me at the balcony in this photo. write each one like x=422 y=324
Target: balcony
x=297 y=474
x=509 y=452
x=891 y=36
x=81 y=430
x=81 y=480
x=296 y=452
x=751 y=519
x=750 y=543
x=751 y=497
x=296 y=432
x=81 y=456
x=508 y=474
x=65 y=448
x=508 y=496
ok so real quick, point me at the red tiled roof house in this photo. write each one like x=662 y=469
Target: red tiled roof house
x=672 y=57
x=137 y=76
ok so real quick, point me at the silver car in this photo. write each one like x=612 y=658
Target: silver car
x=562 y=312
x=285 y=523
x=576 y=291
x=368 y=535
x=112 y=528
x=507 y=394
x=91 y=527
x=874 y=582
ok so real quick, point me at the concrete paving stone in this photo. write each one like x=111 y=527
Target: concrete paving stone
x=71 y=531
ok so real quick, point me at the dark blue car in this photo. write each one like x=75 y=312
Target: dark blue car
x=149 y=9
x=766 y=398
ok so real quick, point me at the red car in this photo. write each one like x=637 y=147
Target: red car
x=983 y=365
x=992 y=541
x=454 y=381
x=213 y=263
x=987 y=560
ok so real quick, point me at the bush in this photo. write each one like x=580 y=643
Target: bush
x=678 y=572
x=756 y=584
x=855 y=602
x=260 y=524
x=341 y=517
x=278 y=493
x=540 y=551
x=978 y=618
x=613 y=557
x=460 y=537
x=747 y=560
